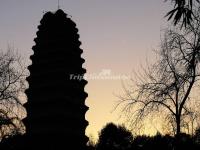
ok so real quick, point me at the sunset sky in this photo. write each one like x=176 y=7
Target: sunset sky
x=117 y=37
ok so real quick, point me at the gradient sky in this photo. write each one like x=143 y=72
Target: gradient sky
x=116 y=35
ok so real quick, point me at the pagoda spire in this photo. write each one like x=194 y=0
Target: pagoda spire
x=58 y=4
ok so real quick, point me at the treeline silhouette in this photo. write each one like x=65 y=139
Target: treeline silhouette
x=117 y=137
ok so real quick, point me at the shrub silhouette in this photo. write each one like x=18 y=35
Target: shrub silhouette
x=113 y=137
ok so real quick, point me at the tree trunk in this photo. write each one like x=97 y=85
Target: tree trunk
x=192 y=127
x=178 y=125
x=178 y=132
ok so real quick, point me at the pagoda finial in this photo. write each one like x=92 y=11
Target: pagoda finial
x=58 y=4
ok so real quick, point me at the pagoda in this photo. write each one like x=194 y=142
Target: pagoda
x=56 y=101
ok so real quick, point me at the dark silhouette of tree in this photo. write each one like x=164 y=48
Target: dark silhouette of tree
x=140 y=142
x=156 y=142
x=12 y=86
x=143 y=142
x=183 y=11
x=165 y=87
x=113 y=137
x=165 y=142
x=191 y=117
x=197 y=136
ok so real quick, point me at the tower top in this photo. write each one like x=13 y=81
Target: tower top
x=58 y=4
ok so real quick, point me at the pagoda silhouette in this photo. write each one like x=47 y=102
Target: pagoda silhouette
x=56 y=101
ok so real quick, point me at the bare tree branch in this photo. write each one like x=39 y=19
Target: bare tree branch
x=166 y=85
x=12 y=83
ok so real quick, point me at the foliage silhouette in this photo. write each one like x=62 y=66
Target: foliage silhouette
x=11 y=142
x=197 y=136
x=12 y=85
x=183 y=11
x=113 y=137
x=157 y=142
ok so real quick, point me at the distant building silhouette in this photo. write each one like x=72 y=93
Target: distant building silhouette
x=56 y=102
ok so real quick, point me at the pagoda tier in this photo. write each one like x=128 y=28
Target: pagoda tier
x=56 y=101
